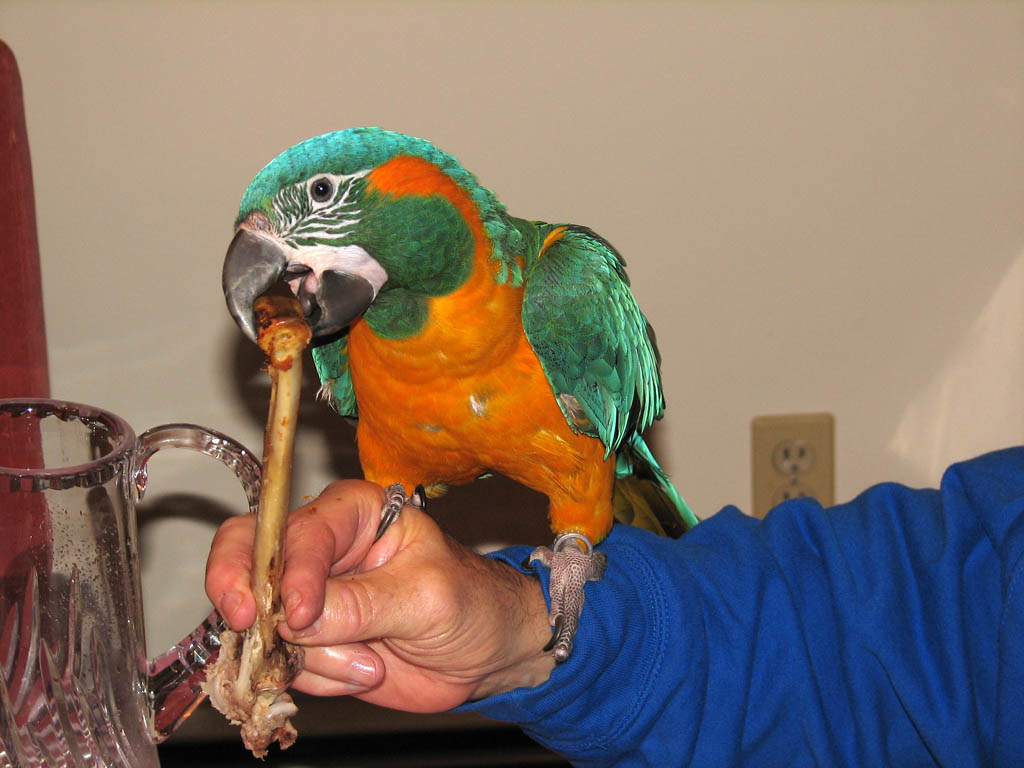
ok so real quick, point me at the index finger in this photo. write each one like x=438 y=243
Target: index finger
x=330 y=535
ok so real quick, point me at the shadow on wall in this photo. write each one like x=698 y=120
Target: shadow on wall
x=976 y=393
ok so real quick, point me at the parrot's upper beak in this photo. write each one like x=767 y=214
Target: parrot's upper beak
x=331 y=294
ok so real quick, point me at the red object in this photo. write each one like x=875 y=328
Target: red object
x=23 y=363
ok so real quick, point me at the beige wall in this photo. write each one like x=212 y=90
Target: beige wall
x=821 y=204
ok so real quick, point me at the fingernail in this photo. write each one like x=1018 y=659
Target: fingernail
x=312 y=629
x=229 y=604
x=362 y=671
x=292 y=600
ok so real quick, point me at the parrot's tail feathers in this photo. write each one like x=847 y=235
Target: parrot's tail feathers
x=638 y=503
x=645 y=497
x=435 y=490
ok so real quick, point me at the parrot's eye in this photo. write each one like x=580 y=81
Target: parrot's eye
x=321 y=190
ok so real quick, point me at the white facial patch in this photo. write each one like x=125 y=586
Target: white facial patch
x=300 y=216
x=349 y=259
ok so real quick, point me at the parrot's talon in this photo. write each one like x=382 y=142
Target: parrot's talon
x=394 y=500
x=557 y=627
x=419 y=498
x=573 y=562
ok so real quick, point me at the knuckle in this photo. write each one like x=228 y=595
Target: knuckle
x=359 y=606
x=234 y=529
x=351 y=487
x=309 y=538
x=349 y=612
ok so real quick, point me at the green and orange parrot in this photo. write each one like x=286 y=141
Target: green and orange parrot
x=464 y=340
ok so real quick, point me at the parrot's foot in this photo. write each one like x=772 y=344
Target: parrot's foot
x=394 y=500
x=573 y=562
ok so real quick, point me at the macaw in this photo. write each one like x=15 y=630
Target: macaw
x=464 y=340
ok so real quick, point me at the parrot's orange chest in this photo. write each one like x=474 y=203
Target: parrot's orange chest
x=446 y=406
x=467 y=395
x=481 y=403
x=447 y=403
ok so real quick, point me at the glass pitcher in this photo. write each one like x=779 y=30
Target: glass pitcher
x=76 y=687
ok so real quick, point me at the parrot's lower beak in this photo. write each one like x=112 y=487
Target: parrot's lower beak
x=331 y=296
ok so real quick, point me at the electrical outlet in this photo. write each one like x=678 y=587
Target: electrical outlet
x=792 y=456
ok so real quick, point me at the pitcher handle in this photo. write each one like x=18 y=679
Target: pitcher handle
x=174 y=677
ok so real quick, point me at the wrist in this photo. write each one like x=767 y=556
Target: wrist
x=522 y=616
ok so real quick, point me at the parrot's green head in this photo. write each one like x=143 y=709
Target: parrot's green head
x=363 y=219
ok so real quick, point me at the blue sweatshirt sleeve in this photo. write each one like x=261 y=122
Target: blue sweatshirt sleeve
x=885 y=631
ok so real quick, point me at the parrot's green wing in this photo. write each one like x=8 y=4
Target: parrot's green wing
x=331 y=360
x=601 y=359
x=592 y=340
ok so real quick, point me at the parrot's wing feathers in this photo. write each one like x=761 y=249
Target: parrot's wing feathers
x=594 y=344
x=331 y=360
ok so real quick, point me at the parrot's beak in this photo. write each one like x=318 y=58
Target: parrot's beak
x=331 y=293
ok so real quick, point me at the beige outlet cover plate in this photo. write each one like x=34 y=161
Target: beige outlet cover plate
x=792 y=456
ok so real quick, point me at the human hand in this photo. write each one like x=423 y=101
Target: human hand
x=414 y=621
